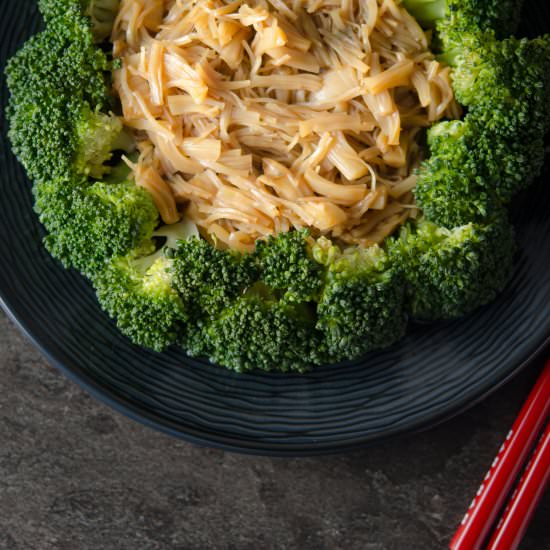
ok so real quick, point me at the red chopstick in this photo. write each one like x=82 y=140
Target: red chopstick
x=505 y=468
x=524 y=501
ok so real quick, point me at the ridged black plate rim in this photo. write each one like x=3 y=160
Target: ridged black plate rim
x=105 y=396
x=25 y=306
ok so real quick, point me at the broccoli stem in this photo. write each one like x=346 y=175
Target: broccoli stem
x=426 y=12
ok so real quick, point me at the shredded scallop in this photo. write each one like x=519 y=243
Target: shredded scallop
x=258 y=116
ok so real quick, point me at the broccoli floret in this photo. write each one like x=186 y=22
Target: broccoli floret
x=90 y=223
x=62 y=58
x=138 y=293
x=64 y=138
x=243 y=308
x=452 y=188
x=478 y=164
x=208 y=279
x=58 y=85
x=286 y=264
x=501 y=16
x=137 y=289
x=259 y=332
x=59 y=132
x=471 y=171
x=361 y=304
x=97 y=136
x=102 y=13
x=52 y=10
x=450 y=273
x=505 y=81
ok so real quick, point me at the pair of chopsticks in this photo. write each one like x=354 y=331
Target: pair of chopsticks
x=532 y=423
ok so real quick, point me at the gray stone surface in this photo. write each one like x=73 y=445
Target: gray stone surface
x=75 y=475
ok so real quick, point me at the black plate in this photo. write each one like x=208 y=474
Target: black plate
x=434 y=372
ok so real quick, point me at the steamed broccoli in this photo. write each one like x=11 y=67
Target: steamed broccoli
x=208 y=279
x=63 y=136
x=241 y=306
x=141 y=299
x=505 y=81
x=256 y=331
x=102 y=13
x=501 y=16
x=450 y=273
x=478 y=164
x=504 y=84
x=90 y=223
x=137 y=291
x=58 y=86
x=285 y=264
x=97 y=136
x=471 y=171
x=504 y=78
x=452 y=186
x=253 y=310
x=361 y=305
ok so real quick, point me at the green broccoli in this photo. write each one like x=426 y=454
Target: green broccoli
x=452 y=186
x=504 y=83
x=361 y=305
x=208 y=279
x=502 y=16
x=286 y=264
x=58 y=86
x=102 y=13
x=97 y=136
x=62 y=135
x=256 y=331
x=478 y=164
x=137 y=290
x=90 y=223
x=244 y=307
x=450 y=273
x=141 y=299
x=471 y=172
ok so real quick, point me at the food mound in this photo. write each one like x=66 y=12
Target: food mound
x=276 y=184
x=266 y=117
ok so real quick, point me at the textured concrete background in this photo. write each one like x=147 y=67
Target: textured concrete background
x=75 y=475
